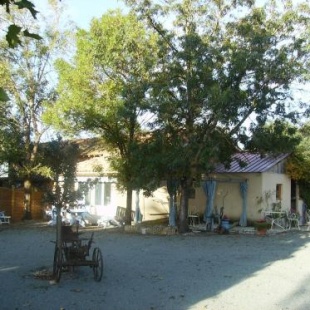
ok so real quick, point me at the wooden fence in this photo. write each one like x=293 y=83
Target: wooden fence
x=12 y=202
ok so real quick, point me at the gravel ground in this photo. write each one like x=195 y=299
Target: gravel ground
x=142 y=272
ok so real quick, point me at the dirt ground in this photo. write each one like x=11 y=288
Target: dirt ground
x=142 y=272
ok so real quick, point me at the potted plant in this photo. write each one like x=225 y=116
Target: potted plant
x=262 y=226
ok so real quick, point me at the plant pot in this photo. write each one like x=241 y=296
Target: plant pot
x=261 y=232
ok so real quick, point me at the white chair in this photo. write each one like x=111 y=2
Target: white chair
x=277 y=219
x=293 y=220
x=4 y=219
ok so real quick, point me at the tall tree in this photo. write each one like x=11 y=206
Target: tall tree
x=223 y=64
x=103 y=90
x=25 y=73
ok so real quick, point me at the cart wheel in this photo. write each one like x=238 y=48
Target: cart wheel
x=57 y=265
x=98 y=264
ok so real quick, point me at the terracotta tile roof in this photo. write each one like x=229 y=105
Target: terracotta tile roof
x=249 y=162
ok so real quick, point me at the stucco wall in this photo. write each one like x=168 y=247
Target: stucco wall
x=154 y=207
x=227 y=195
x=270 y=180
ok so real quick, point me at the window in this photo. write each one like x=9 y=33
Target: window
x=279 y=192
x=84 y=190
x=107 y=194
x=87 y=198
x=98 y=194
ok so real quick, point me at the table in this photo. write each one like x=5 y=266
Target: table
x=277 y=218
x=193 y=219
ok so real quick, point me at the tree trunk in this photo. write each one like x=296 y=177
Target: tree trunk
x=172 y=186
x=58 y=206
x=183 y=212
x=128 y=206
x=172 y=210
x=138 y=215
x=58 y=227
x=27 y=200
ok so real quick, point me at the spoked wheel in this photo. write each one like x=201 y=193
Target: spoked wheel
x=98 y=264
x=57 y=264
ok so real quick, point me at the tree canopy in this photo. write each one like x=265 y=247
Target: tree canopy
x=206 y=75
x=298 y=166
x=276 y=137
x=26 y=76
x=102 y=91
x=227 y=68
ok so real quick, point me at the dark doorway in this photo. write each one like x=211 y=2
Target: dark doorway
x=293 y=196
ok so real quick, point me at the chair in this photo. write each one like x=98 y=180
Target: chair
x=293 y=220
x=4 y=219
x=277 y=219
x=308 y=220
x=193 y=217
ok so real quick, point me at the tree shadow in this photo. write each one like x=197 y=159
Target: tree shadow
x=190 y=272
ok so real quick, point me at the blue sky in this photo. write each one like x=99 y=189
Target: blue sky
x=82 y=11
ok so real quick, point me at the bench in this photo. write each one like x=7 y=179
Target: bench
x=120 y=215
x=4 y=219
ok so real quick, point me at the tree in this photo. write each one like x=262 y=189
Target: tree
x=275 y=137
x=15 y=31
x=9 y=135
x=61 y=157
x=298 y=166
x=25 y=73
x=102 y=92
x=222 y=63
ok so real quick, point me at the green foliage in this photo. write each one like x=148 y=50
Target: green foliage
x=219 y=68
x=199 y=70
x=22 y=4
x=3 y=95
x=11 y=146
x=13 y=35
x=25 y=76
x=23 y=71
x=276 y=137
x=14 y=32
x=103 y=90
x=304 y=187
x=213 y=78
x=298 y=166
x=61 y=159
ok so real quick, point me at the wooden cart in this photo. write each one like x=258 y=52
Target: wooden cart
x=74 y=251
